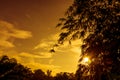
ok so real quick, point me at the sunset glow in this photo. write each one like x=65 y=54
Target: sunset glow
x=27 y=33
x=86 y=59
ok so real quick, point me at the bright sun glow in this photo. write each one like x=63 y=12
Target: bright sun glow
x=86 y=59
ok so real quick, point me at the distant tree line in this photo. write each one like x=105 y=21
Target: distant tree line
x=10 y=69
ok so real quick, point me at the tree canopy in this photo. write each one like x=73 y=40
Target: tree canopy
x=11 y=70
x=97 y=23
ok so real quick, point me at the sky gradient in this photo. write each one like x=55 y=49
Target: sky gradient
x=27 y=32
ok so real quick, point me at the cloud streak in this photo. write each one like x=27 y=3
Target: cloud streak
x=36 y=55
x=48 y=42
x=8 y=31
x=6 y=44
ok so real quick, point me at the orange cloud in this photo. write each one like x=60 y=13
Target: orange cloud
x=8 y=31
x=36 y=55
x=6 y=44
x=21 y=34
x=48 y=42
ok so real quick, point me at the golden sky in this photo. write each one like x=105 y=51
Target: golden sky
x=27 y=32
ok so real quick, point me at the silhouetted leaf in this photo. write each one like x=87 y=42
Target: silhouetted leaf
x=52 y=50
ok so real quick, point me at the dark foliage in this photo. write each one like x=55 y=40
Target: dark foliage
x=97 y=23
x=11 y=70
x=65 y=76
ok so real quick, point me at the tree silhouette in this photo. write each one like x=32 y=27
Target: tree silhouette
x=39 y=75
x=49 y=73
x=11 y=70
x=65 y=76
x=97 y=23
x=6 y=65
